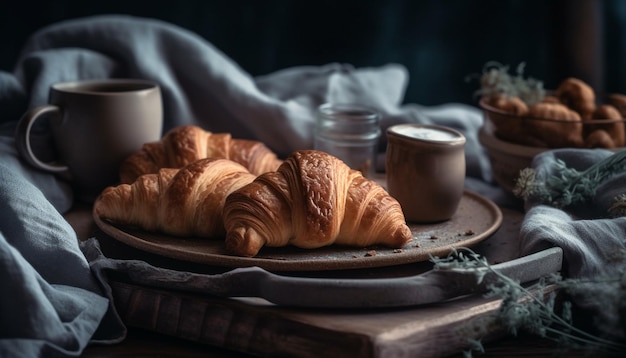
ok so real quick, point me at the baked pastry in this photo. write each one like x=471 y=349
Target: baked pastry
x=578 y=96
x=185 y=144
x=182 y=202
x=508 y=128
x=618 y=101
x=561 y=126
x=513 y=105
x=605 y=135
x=314 y=199
x=599 y=139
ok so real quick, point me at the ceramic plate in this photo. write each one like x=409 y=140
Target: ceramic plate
x=476 y=219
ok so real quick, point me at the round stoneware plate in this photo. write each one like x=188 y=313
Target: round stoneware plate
x=476 y=219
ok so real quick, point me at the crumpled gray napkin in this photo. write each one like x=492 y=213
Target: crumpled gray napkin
x=50 y=304
x=203 y=86
x=593 y=241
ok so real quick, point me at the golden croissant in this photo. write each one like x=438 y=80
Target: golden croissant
x=312 y=200
x=182 y=202
x=185 y=144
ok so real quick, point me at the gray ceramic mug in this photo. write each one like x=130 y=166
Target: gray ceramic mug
x=95 y=125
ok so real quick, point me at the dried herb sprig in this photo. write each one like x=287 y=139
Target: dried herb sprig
x=496 y=80
x=568 y=186
x=533 y=308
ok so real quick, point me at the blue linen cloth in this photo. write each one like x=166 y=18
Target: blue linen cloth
x=50 y=303
x=63 y=306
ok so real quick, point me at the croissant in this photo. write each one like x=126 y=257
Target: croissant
x=312 y=200
x=182 y=202
x=186 y=144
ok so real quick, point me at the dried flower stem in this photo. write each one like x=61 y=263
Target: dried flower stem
x=528 y=307
x=495 y=80
x=569 y=186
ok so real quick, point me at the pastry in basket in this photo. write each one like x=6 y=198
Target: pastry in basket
x=605 y=135
x=577 y=95
x=508 y=129
x=618 y=101
x=508 y=104
x=186 y=144
x=182 y=202
x=564 y=128
x=312 y=200
x=564 y=117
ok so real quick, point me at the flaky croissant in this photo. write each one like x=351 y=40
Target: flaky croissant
x=313 y=200
x=185 y=144
x=182 y=202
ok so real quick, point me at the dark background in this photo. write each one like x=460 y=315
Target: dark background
x=440 y=42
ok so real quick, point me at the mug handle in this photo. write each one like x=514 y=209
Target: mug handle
x=22 y=138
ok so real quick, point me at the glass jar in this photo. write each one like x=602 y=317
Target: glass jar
x=351 y=133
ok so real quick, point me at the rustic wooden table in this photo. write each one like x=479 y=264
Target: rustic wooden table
x=174 y=324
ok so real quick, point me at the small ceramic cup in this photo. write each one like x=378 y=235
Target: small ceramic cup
x=95 y=125
x=425 y=170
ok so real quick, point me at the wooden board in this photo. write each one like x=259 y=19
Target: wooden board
x=253 y=327
x=256 y=327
